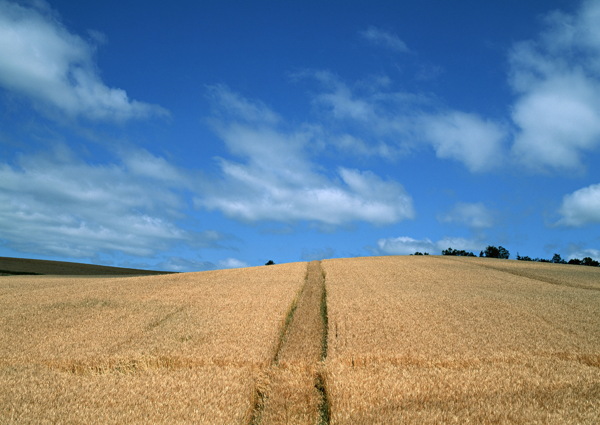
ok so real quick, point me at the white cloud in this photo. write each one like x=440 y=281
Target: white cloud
x=370 y=103
x=559 y=120
x=278 y=181
x=41 y=59
x=56 y=204
x=581 y=207
x=474 y=215
x=231 y=263
x=229 y=103
x=405 y=245
x=581 y=253
x=250 y=193
x=178 y=264
x=556 y=113
x=141 y=163
x=360 y=148
x=460 y=244
x=384 y=38
x=557 y=78
x=465 y=137
x=343 y=104
x=388 y=124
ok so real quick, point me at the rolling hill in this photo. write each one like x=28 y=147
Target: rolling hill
x=24 y=266
x=377 y=340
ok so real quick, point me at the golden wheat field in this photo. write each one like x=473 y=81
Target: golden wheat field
x=181 y=348
x=378 y=340
x=461 y=340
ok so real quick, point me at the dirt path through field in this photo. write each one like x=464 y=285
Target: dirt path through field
x=291 y=390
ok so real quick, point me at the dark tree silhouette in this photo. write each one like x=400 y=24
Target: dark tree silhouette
x=557 y=259
x=588 y=261
x=496 y=252
x=458 y=253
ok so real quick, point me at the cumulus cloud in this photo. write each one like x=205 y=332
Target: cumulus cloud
x=474 y=215
x=42 y=60
x=467 y=138
x=555 y=115
x=385 y=39
x=57 y=204
x=557 y=79
x=581 y=207
x=405 y=245
x=277 y=180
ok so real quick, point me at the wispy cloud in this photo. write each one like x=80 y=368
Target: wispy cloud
x=57 y=204
x=390 y=124
x=385 y=39
x=179 y=264
x=576 y=251
x=581 y=207
x=231 y=263
x=277 y=180
x=405 y=245
x=473 y=215
x=555 y=116
x=227 y=103
x=42 y=60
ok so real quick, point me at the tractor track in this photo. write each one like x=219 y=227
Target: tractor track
x=292 y=390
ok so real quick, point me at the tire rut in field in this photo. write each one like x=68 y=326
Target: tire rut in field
x=292 y=390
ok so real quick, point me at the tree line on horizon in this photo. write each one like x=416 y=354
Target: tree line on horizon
x=501 y=252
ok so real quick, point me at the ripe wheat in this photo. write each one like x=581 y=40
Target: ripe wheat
x=408 y=340
x=184 y=348
x=437 y=340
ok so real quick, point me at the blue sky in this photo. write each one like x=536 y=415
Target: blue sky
x=215 y=134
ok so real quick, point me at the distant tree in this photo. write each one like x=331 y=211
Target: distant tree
x=418 y=253
x=557 y=259
x=491 y=252
x=457 y=252
x=496 y=252
x=575 y=261
x=588 y=261
x=269 y=263
x=525 y=258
